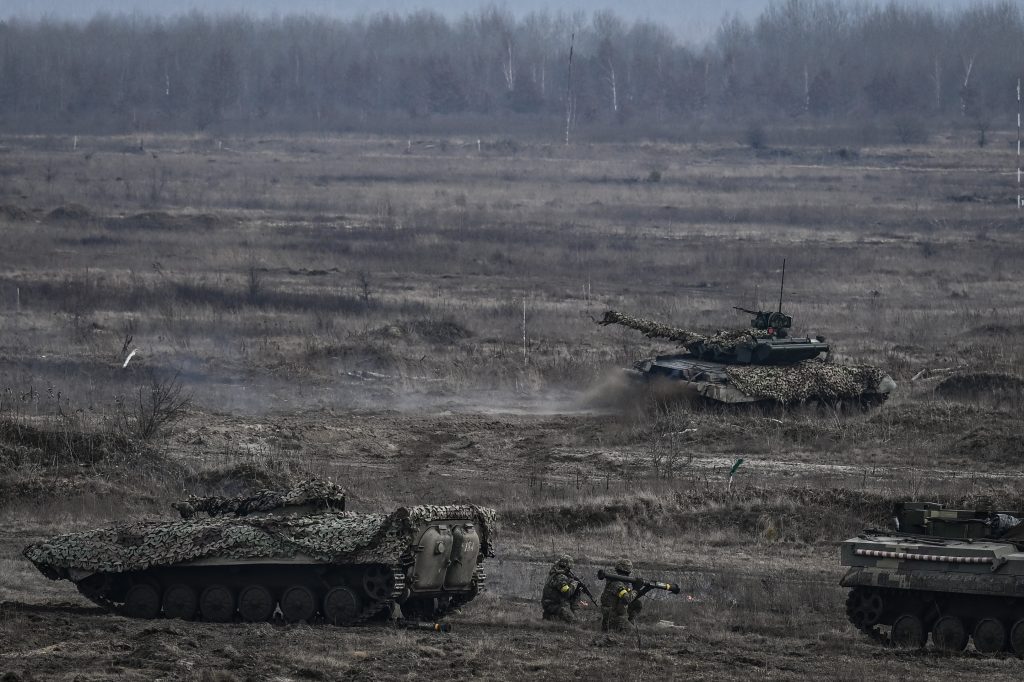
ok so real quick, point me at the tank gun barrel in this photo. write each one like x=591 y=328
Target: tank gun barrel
x=651 y=329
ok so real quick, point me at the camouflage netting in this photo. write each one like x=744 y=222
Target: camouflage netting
x=724 y=341
x=805 y=380
x=315 y=493
x=331 y=537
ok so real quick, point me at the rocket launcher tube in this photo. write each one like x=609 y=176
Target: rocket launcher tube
x=639 y=583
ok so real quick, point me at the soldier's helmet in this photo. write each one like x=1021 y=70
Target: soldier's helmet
x=624 y=566
x=564 y=563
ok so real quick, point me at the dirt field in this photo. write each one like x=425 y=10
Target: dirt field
x=354 y=308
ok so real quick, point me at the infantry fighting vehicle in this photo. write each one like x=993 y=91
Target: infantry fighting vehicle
x=956 y=574
x=759 y=364
x=294 y=554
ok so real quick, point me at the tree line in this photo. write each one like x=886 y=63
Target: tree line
x=800 y=60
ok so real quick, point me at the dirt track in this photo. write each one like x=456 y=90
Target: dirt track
x=739 y=619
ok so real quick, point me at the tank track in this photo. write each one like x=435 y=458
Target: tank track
x=368 y=612
x=998 y=622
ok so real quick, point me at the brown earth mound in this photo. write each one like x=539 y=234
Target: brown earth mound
x=978 y=383
x=996 y=441
x=69 y=213
x=26 y=444
x=160 y=220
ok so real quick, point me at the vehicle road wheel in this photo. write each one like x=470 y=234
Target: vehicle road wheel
x=989 y=636
x=142 y=601
x=180 y=601
x=1017 y=638
x=377 y=582
x=256 y=604
x=949 y=634
x=298 y=603
x=908 y=632
x=341 y=606
x=864 y=607
x=217 y=604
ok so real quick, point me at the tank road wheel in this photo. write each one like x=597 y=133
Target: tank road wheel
x=864 y=608
x=377 y=582
x=298 y=603
x=1017 y=638
x=908 y=632
x=142 y=601
x=989 y=636
x=180 y=601
x=949 y=634
x=217 y=604
x=256 y=604
x=342 y=606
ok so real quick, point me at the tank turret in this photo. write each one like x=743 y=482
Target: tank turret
x=759 y=363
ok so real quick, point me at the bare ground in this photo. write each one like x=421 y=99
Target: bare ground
x=338 y=307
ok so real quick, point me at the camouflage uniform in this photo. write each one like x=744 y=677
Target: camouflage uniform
x=559 y=596
x=620 y=603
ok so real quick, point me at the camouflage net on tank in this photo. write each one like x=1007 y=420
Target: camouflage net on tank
x=315 y=493
x=330 y=537
x=724 y=341
x=810 y=379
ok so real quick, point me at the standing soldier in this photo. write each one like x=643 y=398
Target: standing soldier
x=559 y=597
x=620 y=603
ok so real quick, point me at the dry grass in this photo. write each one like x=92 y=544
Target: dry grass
x=340 y=307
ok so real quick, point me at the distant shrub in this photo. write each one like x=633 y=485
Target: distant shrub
x=910 y=130
x=755 y=137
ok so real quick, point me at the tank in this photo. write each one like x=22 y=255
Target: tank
x=292 y=554
x=759 y=364
x=954 y=574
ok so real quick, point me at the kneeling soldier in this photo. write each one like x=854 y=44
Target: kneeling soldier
x=620 y=603
x=559 y=597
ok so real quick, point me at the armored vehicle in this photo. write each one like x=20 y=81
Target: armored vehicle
x=758 y=364
x=955 y=574
x=295 y=554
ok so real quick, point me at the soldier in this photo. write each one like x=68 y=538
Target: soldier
x=620 y=603
x=559 y=596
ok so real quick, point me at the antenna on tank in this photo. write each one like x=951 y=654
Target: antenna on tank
x=782 y=284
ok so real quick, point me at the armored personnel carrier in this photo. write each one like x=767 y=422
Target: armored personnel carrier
x=955 y=574
x=758 y=364
x=294 y=554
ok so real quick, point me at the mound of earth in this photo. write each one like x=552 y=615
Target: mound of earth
x=979 y=383
x=993 y=441
x=69 y=213
x=160 y=220
x=27 y=444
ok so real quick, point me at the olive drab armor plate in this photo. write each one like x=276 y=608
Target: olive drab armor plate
x=282 y=539
x=956 y=573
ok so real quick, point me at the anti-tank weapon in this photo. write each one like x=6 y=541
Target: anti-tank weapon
x=641 y=586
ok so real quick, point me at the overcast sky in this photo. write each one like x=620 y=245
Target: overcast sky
x=690 y=19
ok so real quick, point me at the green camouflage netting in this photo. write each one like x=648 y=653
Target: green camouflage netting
x=315 y=493
x=332 y=537
x=805 y=380
x=723 y=340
